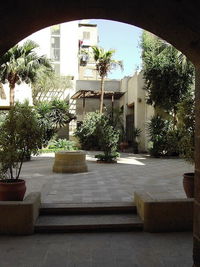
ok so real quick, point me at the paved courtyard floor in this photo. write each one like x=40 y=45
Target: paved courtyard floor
x=106 y=182
x=102 y=183
x=132 y=249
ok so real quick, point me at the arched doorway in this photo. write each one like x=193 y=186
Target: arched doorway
x=175 y=21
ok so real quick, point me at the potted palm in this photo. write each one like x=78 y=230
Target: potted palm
x=19 y=134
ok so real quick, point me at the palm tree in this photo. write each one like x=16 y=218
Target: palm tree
x=104 y=64
x=21 y=64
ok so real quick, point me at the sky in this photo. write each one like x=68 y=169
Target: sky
x=124 y=39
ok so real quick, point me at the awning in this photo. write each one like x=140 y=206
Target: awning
x=96 y=94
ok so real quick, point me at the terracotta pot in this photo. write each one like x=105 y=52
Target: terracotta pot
x=123 y=146
x=12 y=190
x=188 y=184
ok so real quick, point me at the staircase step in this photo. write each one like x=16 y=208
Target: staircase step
x=87 y=208
x=80 y=223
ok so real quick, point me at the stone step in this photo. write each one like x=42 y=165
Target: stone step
x=85 y=223
x=87 y=208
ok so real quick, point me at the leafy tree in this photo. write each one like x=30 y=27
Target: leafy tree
x=168 y=74
x=21 y=64
x=104 y=64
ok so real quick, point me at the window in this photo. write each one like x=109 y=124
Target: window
x=55 y=48
x=86 y=35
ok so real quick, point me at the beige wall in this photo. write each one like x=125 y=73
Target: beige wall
x=92 y=105
x=111 y=85
x=135 y=97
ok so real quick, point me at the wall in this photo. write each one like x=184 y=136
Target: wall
x=135 y=99
x=111 y=85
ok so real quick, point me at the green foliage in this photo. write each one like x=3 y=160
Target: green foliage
x=59 y=113
x=104 y=60
x=111 y=158
x=20 y=134
x=87 y=131
x=168 y=74
x=157 y=129
x=116 y=120
x=163 y=138
x=62 y=144
x=108 y=137
x=104 y=64
x=96 y=128
x=186 y=124
x=52 y=116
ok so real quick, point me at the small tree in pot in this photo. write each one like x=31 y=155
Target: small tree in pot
x=20 y=134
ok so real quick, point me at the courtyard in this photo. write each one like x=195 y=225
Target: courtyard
x=102 y=183
x=106 y=182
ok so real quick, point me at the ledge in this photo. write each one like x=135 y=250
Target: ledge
x=18 y=217
x=164 y=215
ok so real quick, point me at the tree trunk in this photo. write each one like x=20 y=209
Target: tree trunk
x=12 y=94
x=102 y=95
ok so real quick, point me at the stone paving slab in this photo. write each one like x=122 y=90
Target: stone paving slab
x=106 y=182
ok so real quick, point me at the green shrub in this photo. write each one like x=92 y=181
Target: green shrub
x=52 y=116
x=186 y=124
x=163 y=138
x=87 y=132
x=96 y=128
x=62 y=144
x=157 y=129
x=107 y=158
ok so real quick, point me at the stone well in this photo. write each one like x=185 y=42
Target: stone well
x=70 y=162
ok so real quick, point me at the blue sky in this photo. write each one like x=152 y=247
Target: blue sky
x=124 y=39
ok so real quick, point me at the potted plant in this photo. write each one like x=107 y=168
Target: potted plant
x=20 y=135
x=186 y=125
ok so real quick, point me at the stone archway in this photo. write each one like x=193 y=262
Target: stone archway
x=176 y=21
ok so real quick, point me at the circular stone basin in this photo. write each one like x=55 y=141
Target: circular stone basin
x=70 y=162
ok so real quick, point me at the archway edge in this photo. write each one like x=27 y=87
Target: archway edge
x=175 y=21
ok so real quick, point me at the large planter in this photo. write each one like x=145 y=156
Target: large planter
x=188 y=184
x=12 y=190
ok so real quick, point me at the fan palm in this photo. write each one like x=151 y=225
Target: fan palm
x=21 y=64
x=104 y=64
